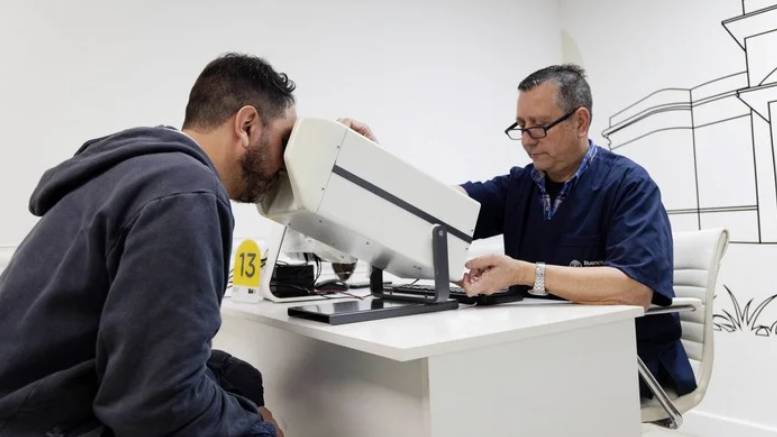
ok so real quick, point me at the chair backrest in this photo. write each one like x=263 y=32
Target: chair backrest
x=697 y=256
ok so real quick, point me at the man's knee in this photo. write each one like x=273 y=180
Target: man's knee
x=237 y=376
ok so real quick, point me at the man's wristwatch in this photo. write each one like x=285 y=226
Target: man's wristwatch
x=539 y=280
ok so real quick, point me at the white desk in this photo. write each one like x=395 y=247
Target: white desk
x=509 y=370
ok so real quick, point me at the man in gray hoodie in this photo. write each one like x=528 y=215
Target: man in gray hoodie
x=109 y=305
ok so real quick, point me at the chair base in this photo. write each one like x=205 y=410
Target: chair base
x=653 y=430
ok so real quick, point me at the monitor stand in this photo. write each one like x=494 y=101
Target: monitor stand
x=385 y=305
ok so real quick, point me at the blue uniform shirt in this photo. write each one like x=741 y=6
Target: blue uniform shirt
x=610 y=215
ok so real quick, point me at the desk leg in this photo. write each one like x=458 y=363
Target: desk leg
x=574 y=383
x=318 y=389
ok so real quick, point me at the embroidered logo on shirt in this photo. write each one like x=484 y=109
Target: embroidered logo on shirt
x=595 y=263
x=586 y=263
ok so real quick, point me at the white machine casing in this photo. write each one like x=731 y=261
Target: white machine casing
x=336 y=189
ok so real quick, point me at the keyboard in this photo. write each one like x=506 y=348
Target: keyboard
x=456 y=293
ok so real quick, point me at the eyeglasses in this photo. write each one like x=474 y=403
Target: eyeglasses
x=514 y=132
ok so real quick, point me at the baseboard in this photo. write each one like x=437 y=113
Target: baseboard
x=702 y=424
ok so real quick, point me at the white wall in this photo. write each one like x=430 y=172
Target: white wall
x=632 y=48
x=436 y=80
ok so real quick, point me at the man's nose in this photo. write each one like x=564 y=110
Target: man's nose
x=528 y=141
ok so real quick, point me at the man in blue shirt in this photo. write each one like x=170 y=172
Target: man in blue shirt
x=580 y=222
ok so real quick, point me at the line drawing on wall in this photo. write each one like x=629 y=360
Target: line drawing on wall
x=745 y=318
x=729 y=116
x=720 y=136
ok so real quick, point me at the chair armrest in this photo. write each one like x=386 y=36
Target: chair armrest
x=679 y=305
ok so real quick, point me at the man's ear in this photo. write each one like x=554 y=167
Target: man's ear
x=248 y=125
x=583 y=117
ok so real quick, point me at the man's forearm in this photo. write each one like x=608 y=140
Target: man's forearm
x=590 y=285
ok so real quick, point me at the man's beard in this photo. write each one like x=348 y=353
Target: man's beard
x=256 y=184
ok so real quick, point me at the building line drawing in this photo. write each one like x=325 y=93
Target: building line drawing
x=719 y=135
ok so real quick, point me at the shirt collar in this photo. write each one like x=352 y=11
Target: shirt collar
x=539 y=176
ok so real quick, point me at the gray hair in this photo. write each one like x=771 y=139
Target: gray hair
x=573 y=90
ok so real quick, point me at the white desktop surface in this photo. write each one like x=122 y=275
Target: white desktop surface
x=515 y=369
x=424 y=335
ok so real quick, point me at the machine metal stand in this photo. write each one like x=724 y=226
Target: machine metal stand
x=384 y=305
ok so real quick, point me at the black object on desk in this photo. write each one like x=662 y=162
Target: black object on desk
x=385 y=305
x=339 y=313
x=458 y=293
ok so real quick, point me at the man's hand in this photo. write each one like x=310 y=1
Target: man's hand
x=358 y=127
x=492 y=273
x=268 y=417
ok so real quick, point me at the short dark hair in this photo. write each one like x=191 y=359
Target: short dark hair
x=573 y=89
x=232 y=81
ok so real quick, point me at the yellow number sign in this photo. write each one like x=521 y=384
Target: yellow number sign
x=248 y=264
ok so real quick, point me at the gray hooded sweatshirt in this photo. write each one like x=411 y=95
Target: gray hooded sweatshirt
x=108 y=306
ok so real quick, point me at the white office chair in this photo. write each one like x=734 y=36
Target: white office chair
x=697 y=256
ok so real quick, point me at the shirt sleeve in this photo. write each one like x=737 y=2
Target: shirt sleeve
x=492 y=196
x=159 y=316
x=639 y=236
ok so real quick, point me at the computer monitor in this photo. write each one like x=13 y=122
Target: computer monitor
x=350 y=193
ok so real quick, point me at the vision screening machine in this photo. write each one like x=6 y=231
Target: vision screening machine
x=353 y=195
